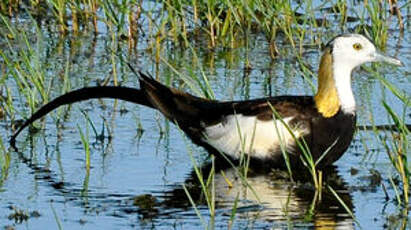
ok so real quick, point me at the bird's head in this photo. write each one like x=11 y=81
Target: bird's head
x=352 y=50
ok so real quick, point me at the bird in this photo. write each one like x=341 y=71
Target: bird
x=273 y=131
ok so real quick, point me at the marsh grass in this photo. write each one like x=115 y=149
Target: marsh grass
x=214 y=24
x=395 y=140
x=349 y=211
x=306 y=157
x=25 y=65
x=207 y=183
x=397 y=150
x=86 y=145
x=397 y=146
x=56 y=217
x=5 y=159
x=378 y=16
x=6 y=104
x=222 y=22
x=207 y=188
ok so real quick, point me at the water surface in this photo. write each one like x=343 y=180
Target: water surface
x=139 y=167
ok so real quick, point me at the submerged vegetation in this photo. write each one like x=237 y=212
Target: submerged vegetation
x=49 y=47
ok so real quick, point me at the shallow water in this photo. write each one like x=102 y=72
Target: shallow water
x=136 y=178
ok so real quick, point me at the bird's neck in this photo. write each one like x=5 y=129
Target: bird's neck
x=334 y=87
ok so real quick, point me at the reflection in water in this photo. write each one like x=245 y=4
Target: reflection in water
x=268 y=199
x=272 y=197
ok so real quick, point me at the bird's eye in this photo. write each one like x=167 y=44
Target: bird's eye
x=357 y=46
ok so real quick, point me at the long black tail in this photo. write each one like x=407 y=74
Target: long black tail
x=116 y=92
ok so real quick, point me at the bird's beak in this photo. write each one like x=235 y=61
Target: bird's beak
x=382 y=58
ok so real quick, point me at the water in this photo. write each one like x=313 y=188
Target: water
x=136 y=179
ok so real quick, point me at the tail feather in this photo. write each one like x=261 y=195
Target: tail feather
x=159 y=95
x=176 y=105
x=115 y=92
x=179 y=107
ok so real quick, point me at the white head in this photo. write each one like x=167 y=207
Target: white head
x=352 y=50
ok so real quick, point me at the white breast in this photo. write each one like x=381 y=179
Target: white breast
x=239 y=134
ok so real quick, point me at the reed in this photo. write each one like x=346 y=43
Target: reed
x=174 y=25
x=59 y=8
x=349 y=211
x=56 y=217
x=222 y=23
x=86 y=145
x=379 y=26
x=306 y=157
x=5 y=159
x=397 y=150
x=397 y=146
x=207 y=188
x=28 y=69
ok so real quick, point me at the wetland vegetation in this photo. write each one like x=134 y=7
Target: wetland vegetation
x=111 y=164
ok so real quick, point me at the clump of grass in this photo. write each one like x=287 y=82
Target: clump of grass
x=9 y=7
x=27 y=70
x=397 y=146
x=207 y=187
x=219 y=23
x=6 y=104
x=379 y=27
x=5 y=159
x=224 y=22
x=397 y=150
x=227 y=24
x=306 y=157
x=59 y=10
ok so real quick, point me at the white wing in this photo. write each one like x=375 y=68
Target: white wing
x=239 y=134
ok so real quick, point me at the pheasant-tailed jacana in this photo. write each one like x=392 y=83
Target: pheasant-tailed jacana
x=262 y=128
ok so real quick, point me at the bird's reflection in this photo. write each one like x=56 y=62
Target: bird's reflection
x=269 y=196
x=263 y=196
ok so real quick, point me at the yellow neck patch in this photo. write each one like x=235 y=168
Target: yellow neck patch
x=326 y=99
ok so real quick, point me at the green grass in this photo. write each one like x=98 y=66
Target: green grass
x=86 y=145
x=216 y=28
x=25 y=65
x=219 y=23
x=207 y=188
x=397 y=146
x=397 y=150
x=5 y=158
x=56 y=217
